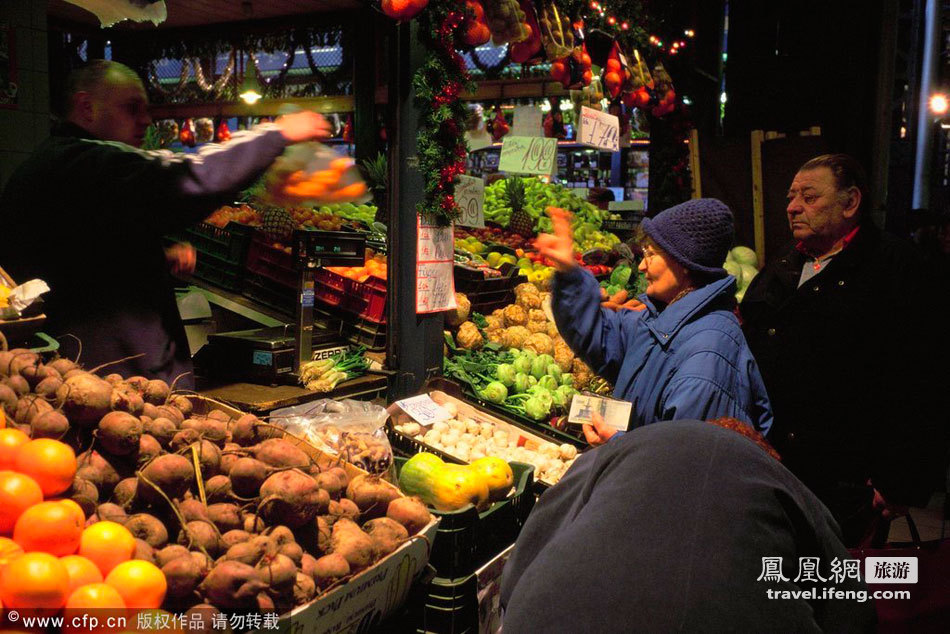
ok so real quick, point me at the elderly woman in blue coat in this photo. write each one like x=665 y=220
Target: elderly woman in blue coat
x=683 y=355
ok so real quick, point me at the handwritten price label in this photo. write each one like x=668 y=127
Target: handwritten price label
x=470 y=196
x=435 y=284
x=528 y=155
x=598 y=129
x=424 y=410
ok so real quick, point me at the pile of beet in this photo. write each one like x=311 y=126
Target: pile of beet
x=237 y=516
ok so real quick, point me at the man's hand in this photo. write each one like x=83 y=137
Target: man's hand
x=558 y=247
x=598 y=432
x=303 y=126
x=887 y=511
x=181 y=258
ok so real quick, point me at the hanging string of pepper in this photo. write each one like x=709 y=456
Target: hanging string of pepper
x=440 y=80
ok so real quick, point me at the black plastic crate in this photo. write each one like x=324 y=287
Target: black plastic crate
x=356 y=330
x=467 y=539
x=451 y=606
x=228 y=243
x=217 y=271
x=474 y=281
x=264 y=291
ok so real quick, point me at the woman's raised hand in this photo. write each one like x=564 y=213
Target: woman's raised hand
x=559 y=246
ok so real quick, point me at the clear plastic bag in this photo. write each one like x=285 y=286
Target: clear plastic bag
x=314 y=174
x=352 y=430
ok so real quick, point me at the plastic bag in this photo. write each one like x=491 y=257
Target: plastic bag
x=314 y=174
x=352 y=430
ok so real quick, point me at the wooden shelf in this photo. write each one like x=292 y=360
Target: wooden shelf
x=263 y=108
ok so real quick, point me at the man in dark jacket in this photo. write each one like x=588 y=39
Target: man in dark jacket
x=839 y=325
x=87 y=212
x=680 y=527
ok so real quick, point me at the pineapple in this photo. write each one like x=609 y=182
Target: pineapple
x=277 y=224
x=520 y=223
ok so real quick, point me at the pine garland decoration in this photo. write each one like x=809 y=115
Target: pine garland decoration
x=441 y=145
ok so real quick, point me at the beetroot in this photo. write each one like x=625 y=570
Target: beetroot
x=171 y=474
x=8 y=399
x=162 y=429
x=234 y=537
x=109 y=512
x=193 y=510
x=182 y=576
x=170 y=412
x=184 y=438
x=104 y=473
x=226 y=517
x=213 y=430
x=119 y=433
x=170 y=553
x=219 y=416
x=278 y=452
x=48 y=388
x=85 y=494
x=150 y=410
x=49 y=424
x=34 y=374
x=411 y=512
x=291 y=498
x=218 y=489
x=232 y=585
x=249 y=431
x=329 y=569
x=126 y=401
x=124 y=493
x=62 y=365
x=86 y=398
x=149 y=449
x=137 y=383
x=18 y=384
x=371 y=494
x=202 y=535
x=304 y=588
x=29 y=407
x=113 y=379
x=149 y=529
x=183 y=403
x=157 y=392
x=209 y=457
x=247 y=476
x=143 y=551
x=278 y=572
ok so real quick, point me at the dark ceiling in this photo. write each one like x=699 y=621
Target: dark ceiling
x=199 y=12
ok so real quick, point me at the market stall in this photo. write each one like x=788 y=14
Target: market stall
x=388 y=265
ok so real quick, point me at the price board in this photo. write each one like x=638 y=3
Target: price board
x=470 y=196
x=528 y=155
x=598 y=129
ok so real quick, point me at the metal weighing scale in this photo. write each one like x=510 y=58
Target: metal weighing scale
x=273 y=355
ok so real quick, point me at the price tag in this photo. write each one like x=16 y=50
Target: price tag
x=615 y=413
x=470 y=196
x=423 y=409
x=625 y=205
x=598 y=129
x=528 y=155
x=435 y=281
x=527 y=121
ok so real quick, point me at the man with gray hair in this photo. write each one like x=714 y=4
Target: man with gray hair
x=841 y=326
x=87 y=212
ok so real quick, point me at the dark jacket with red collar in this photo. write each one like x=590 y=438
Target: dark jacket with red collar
x=88 y=216
x=845 y=359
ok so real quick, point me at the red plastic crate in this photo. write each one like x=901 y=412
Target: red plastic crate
x=274 y=264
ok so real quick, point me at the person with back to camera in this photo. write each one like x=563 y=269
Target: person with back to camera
x=88 y=210
x=678 y=527
x=683 y=355
x=841 y=322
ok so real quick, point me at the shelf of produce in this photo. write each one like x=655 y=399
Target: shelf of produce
x=263 y=399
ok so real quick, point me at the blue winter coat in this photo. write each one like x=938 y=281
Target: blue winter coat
x=689 y=361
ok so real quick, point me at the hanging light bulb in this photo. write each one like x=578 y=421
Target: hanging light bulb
x=250 y=92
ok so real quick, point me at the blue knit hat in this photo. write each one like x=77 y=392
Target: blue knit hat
x=698 y=234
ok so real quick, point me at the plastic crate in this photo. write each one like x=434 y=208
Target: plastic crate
x=364 y=299
x=228 y=244
x=451 y=605
x=357 y=331
x=467 y=539
x=269 y=262
x=468 y=280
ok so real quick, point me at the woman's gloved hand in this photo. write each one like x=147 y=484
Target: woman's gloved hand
x=559 y=246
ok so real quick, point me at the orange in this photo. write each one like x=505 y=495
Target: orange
x=93 y=596
x=3 y=418
x=107 y=544
x=81 y=571
x=18 y=492
x=50 y=462
x=49 y=527
x=141 y=584
x=10 y=439
x=75 y=508
x=34 y=580
x=9 y=550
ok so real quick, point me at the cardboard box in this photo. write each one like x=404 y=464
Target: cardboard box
x=367 y=599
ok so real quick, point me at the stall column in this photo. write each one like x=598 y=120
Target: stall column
x=364 y=35
x=414 y=344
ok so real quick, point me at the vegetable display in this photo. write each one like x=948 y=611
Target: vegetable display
x=538 y=196
x=741 y=263
x=325 y=375
x=171 y=503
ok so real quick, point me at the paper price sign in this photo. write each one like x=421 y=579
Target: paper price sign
x=598 y=129
x=423 y=409
x=470 y=197
x=435 y=283
x=528 y=155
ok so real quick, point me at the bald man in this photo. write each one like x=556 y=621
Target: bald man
x=87 y=212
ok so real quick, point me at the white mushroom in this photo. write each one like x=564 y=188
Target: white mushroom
x=440 y=426
x=473 y=428
x=568 y=451
x=451 y=408
x=432 y=437
x=457 y=425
